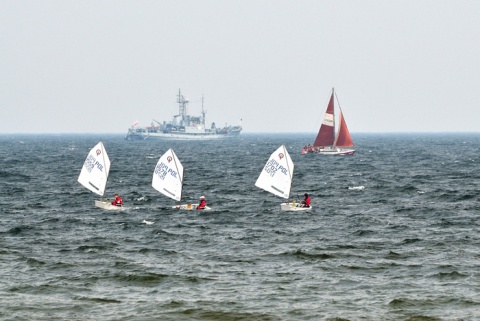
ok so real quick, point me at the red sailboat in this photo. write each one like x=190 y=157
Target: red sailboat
x=327 y=142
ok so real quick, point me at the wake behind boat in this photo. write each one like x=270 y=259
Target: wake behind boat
x=182 y=127
x=327 y=142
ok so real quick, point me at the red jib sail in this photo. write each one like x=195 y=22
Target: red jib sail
x=343 y=137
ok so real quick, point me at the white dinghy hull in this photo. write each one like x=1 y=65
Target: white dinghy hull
x=190 y=207
x=108 y=206
x=294 y=207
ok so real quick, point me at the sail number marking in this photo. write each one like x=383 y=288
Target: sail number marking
x=273 y=166
x=161 y=170
x=91 y=162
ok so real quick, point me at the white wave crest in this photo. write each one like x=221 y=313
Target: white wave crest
x=357 y=188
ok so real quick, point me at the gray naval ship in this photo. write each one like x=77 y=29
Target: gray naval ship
x=183 y=126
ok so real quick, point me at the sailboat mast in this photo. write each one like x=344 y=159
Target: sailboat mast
x=335 y=132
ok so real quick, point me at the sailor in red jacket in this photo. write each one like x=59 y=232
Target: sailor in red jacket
x=306 y=202
x=203 y=203
x=117 y=201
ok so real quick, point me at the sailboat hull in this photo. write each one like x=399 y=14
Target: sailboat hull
x=294 y=207
x=190 y=207
x=331 y=151
x=336 y=151
x=107 y=206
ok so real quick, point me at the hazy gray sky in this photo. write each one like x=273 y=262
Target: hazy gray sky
x=98 y=66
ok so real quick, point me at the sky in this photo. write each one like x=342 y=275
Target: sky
x=95 y=66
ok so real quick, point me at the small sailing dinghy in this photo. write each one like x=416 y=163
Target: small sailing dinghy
x=94 y=175
x=190 y=207
x=276 y=178
x=168 y=178
x=326 y=141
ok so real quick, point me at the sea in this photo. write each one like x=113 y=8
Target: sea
x=393 y=233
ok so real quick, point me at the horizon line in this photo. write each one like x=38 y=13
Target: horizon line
x=253 y=133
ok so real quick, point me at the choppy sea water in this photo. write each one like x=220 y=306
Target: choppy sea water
x=394 y=233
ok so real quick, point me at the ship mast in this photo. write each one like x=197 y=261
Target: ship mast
x=182 y=105
x=203 y=113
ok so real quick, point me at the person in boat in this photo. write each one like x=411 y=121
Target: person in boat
x=203 y=203
x=117 y=201
x=306 y=201
x=310 y=148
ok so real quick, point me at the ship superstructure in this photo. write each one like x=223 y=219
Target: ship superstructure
x=183 y=126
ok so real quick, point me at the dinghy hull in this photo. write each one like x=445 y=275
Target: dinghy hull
x=190 y=207
x=107 y=206
x=294 y=207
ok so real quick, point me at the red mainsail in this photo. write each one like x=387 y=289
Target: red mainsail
x=326 y=134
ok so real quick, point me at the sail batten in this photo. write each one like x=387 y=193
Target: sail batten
x=94 y=186
x=278 y=189
x=170 y=193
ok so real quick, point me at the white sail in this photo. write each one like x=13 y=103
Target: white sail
x=276 y=176
x=95 y=170
x=168 y=176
